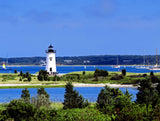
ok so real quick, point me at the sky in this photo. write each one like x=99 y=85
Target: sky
x=79 y=27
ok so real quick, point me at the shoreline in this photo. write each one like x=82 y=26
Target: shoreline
x=62 y=85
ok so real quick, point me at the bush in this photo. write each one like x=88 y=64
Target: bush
x=117 y=77
x=87 y=114
x=29 y=78
x=72 y=98
x=19 y=110
x=100 y=72
x=43 y=75
x=124 y=72
x=15 y=71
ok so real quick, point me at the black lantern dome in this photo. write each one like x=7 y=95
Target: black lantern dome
x=50 y=49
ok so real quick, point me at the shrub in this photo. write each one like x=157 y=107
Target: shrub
x=100 y=72
x=19 y=110
x=25 y=95
x=29 y=78
x=72 y=98
x=15 y=71
x=124 y=72
x=117 y=77
x=43 y=75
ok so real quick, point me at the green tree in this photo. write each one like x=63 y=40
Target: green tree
x=124 y=72
x=15 y=71
x=41 y=91
x=42 y=98
x=21 y=73
x=25 y=95
x=146 y=94
x=27 y=74
x=29 y=78
x=151 y=73
x=43 y=75
x=106 y=99
x=19 y=110
x=72 y=98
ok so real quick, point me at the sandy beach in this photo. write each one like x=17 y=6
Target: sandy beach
x=74 y=84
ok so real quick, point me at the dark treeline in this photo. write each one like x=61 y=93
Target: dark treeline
x=86 y=60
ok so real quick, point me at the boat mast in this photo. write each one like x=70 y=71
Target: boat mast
x=144 y=58
x=156 y=57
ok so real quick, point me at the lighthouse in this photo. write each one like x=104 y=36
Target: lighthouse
x=51 y=60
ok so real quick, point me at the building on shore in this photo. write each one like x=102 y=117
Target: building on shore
x=51 y=60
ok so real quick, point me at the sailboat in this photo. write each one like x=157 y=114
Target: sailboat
x=117 y=66
x=144 y=64
x=4 y=67
x=156 y=67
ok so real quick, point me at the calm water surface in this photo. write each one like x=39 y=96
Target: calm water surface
x=67 y=69
x=57 y=94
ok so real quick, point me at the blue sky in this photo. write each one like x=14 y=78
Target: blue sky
x=79 y=27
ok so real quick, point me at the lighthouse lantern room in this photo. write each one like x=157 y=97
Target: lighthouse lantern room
x=51 y=60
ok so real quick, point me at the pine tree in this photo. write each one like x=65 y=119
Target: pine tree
x=72 y=98
x=146 y=94
x=41 y=91
x=25 y=95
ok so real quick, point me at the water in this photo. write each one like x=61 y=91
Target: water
x=67 y=69
x=57 y=94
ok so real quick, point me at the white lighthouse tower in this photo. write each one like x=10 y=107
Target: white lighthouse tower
x=51 y=60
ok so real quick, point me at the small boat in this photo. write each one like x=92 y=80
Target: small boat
x=117 y=66
x=156 y=67
x=4 y=68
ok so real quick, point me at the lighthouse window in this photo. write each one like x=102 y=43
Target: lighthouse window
x=50 y=69
x=50 y=58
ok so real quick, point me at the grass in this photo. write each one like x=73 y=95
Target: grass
x=75 y=77
x=32 y=86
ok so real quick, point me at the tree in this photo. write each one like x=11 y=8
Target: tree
x=43 y=75
x=42 y=98
x=25 y=95
x=20 y=110
x=29 y=78
x=41 y=91
x=15 y=71
x=151 y=73
x=106 y=99
x=146 y=93
x=124 y=72
x=27 y=74
x=72 y=98
x=84 y=73
x=21 y=73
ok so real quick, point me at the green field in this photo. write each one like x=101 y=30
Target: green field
x=76 y=77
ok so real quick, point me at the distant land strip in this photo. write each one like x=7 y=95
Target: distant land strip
x=86 y=60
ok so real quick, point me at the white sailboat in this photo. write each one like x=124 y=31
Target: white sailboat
x=117 y=66
x=156 y=67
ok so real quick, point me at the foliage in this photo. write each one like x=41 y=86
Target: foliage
x=84 y=73
x=42 y=99
x=100 y=72
x=133 y=112
x=87 y=114
x=107 y=98
x=117 y=77
x=15 y=71
x=19 y=110
x=43 y=75
x=72 y=99
x=25 y=95
x=147 y=94
x=21 y=73
x=124 y=72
